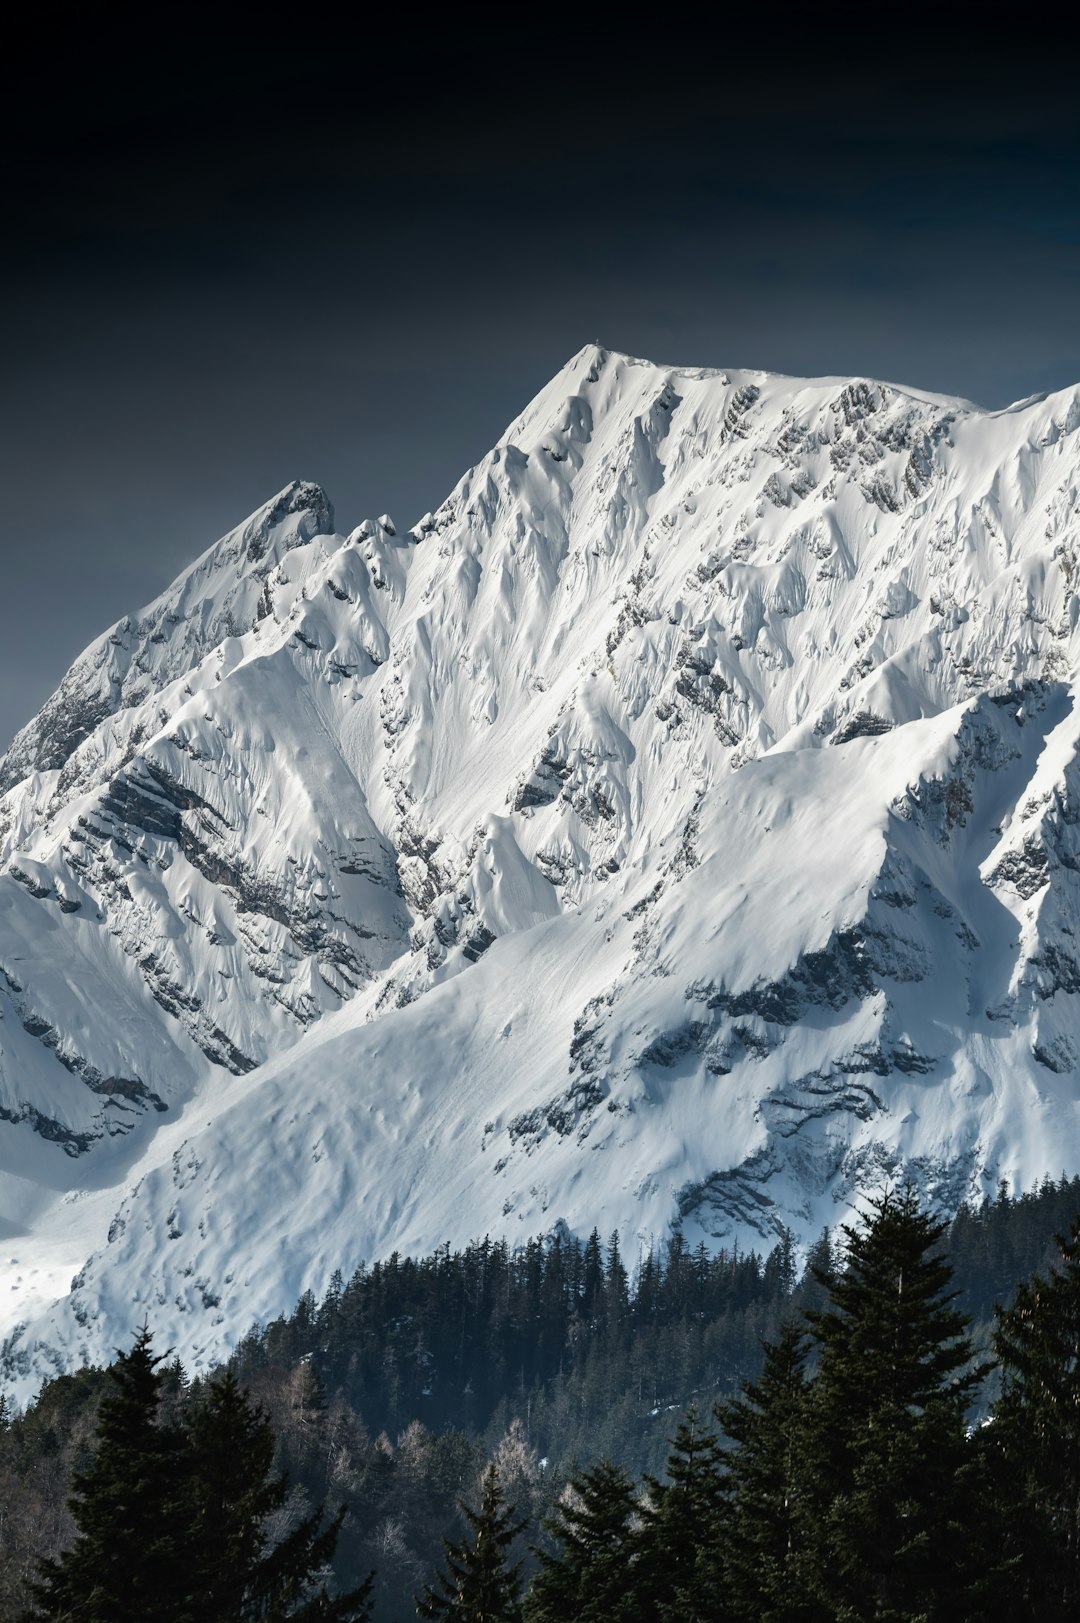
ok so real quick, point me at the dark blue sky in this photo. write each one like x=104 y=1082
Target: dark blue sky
x=240 y=260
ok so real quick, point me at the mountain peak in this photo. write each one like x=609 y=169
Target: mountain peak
x=301 y=501
x=685 y=834
x=218 y=595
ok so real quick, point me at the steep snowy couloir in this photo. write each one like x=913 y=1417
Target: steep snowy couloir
x=680 y=826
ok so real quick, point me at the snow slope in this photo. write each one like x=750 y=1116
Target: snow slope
x=679 y=826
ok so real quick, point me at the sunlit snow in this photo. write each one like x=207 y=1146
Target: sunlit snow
x=681 y=825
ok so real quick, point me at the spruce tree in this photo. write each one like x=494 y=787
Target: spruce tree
x=171 y=1519
x=127 y=1563
x=592 y=1290
x=589 y=1577
x=759 y=1562
x=480 y=1584
x=232 y=1572
x=1034 y=1441
x=682 y=1522
x=892 y=1503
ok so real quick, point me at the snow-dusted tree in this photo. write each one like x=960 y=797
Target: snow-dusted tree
x=516 y=1462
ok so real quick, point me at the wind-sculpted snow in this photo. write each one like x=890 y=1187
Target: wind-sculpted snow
x=679 y=826
x=221 y=596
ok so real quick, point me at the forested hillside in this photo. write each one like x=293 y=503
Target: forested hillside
x=392 y=1394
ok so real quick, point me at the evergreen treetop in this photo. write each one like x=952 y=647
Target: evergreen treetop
x=479 y=1584
x=589 y=1576
x=1034 y=1439
x=761 y=1560
x=126 y=1563
x=171 y=1519
x=886 y=1477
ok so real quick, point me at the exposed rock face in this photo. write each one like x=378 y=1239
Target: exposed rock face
x=678 y=826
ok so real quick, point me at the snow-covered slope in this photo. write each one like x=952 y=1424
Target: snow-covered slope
x=680 y=825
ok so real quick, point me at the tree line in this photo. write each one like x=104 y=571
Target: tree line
x=846 y=1483
x=527 y=1362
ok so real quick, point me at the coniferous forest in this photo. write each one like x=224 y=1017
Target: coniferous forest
x=551 y=1432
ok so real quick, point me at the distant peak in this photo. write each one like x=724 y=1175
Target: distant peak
x=298 y=496
x=301 y=498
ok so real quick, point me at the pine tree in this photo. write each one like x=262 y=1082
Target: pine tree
x=759 y=1561
x=480 y=1585
x=589 y=1578
x=1034 y=1440
x=780 y=1274
x=126 y=1565
x=893 y=1507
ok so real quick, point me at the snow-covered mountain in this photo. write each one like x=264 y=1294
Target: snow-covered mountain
x=682 y=825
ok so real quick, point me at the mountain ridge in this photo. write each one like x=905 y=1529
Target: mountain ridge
x=703 y=769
